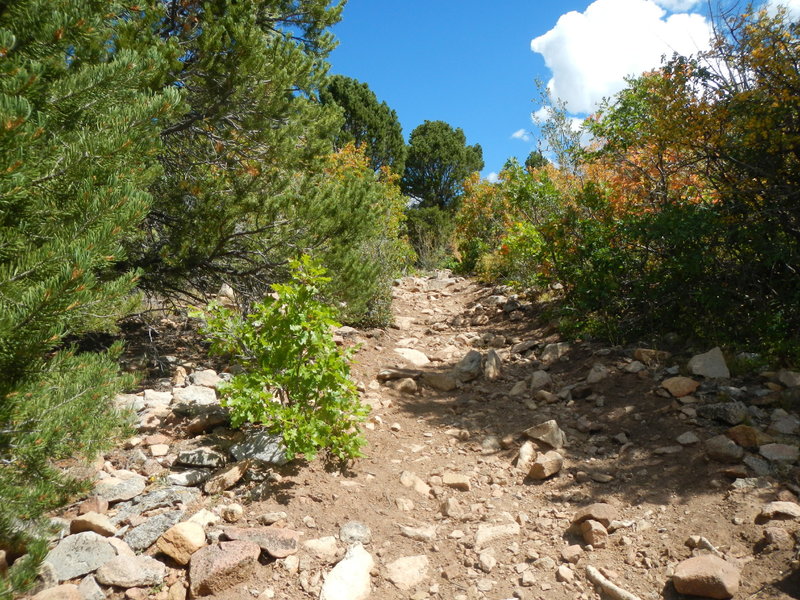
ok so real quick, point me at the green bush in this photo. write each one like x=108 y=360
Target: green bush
x=296 y=380
x=430 y=232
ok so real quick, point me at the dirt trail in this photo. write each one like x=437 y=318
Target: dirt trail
x=441 y=479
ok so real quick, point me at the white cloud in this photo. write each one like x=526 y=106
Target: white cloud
x=677 y=5
x=591 y=53
x=792 y=7
x=541 y=115
x=492 y=177
x=521 y=134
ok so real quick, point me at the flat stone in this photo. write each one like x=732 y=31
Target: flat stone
x=786 y=425
x=403 y=323
x=115 y=489
x=601 y=512
x=94 y=504
x=92 y=521
x=707 y=576
x=549 y=433
x=731 y=413
x=350 y=579
x=790 y=379
x=411 y=480
x=194 y=396
x=355 y=532
x=441 y=382
x=545 y=465
x=80 y=554
x=487 y=534
x=127 y=572
x=181 y=541
x=208 y=418
x=154 y=399
x=777 y=538
x=634 y=367
x=457 y=481
x=748 y=437
x=540 y=379
x=555 y=351
x=594 y=533
x=159 y=450
x=66 y=591
x=597 y=374
x=469 y=367
x=189 y=478
x=780 y=510
x=523 y=347
x=779 y=452
x=493 y=367
x=145 y=535
x=324 y=548
x=649 y=356
x=278 y=542
x=262 y=446
x=710 y=364
x=406 y=386
x=160 y=498
x=205 y=378
x=723 y=449
x=688 y=438
x=564 y=574
x=215 y=568
x=572 y=554
x=202 y=457
x=680 y=386
x=89 y=589
x=408 y=572
x=413 y=357
x=226 y=478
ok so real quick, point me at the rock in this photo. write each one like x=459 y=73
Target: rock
x=564 y=574
x=722 y=449
x=350 y=579
x=89 y=589
x=403 y=323
x=457 y=481
x=649 y=356
x=392 y=374
x=489 y=533
x=708 y=576
x=572 y=554
x=220 y=566
x=731 y=413
x=469 y=367
x=487 y=561
x=747 y=436
x=92 y=521
x=545 y=465
x=408 y=572
x=440 y=381
x=785 y=425
x=154 y=399
x=527 y=453
x=207 y=418
x=688 y=438
x=520 y=389
x=355 y=532
x=601 y=512
x=188 y=478
x=553 y=352
x=324 y=548
x=159 y=450
x=777 y=538
x=406 y=386
x=540 y=379
x=549 y=433
x=594 y=533
x=710 y=364
x=66 y=591
x=493 y=368
x=680 y=386
x=780 y=510
x=597 y=374
x=779 y=452
x=278 y=542
x=790 y=379
x=522 y=347
x=758 y=465
x=202 y=457
x=127 y=572
x=410 y=480
x=232 y=512
x=226 y=478
x=193 y=397
x=181 y=541
x=452 y=508
x=161 y=498
x=145 y=535
x=413 y=357
x=426 y=533
x=206 y=378
x=634 y=367
x=80 y=554
x=262 y=446
x=114 y=489
x=204 y=518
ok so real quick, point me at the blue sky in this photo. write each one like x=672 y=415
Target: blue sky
x=470 y=62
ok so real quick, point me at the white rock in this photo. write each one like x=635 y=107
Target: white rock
x=597 y=374
x=488 y=533
x=539 y=380
x=413 y=357
x=408 y=572
x=711 y=364
x=350 y=578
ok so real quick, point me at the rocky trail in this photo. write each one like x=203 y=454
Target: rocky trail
x=502 y=462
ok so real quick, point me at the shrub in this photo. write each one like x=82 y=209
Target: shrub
x=295 y=380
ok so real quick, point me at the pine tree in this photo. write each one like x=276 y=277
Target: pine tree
x=78 y=146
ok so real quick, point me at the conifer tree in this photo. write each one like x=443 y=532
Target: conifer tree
x=78 y=148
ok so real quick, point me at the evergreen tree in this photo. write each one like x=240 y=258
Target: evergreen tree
x=230 y=206
x=535 y=160
x=366 y=121
x=437 y=164
x=77 y=149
